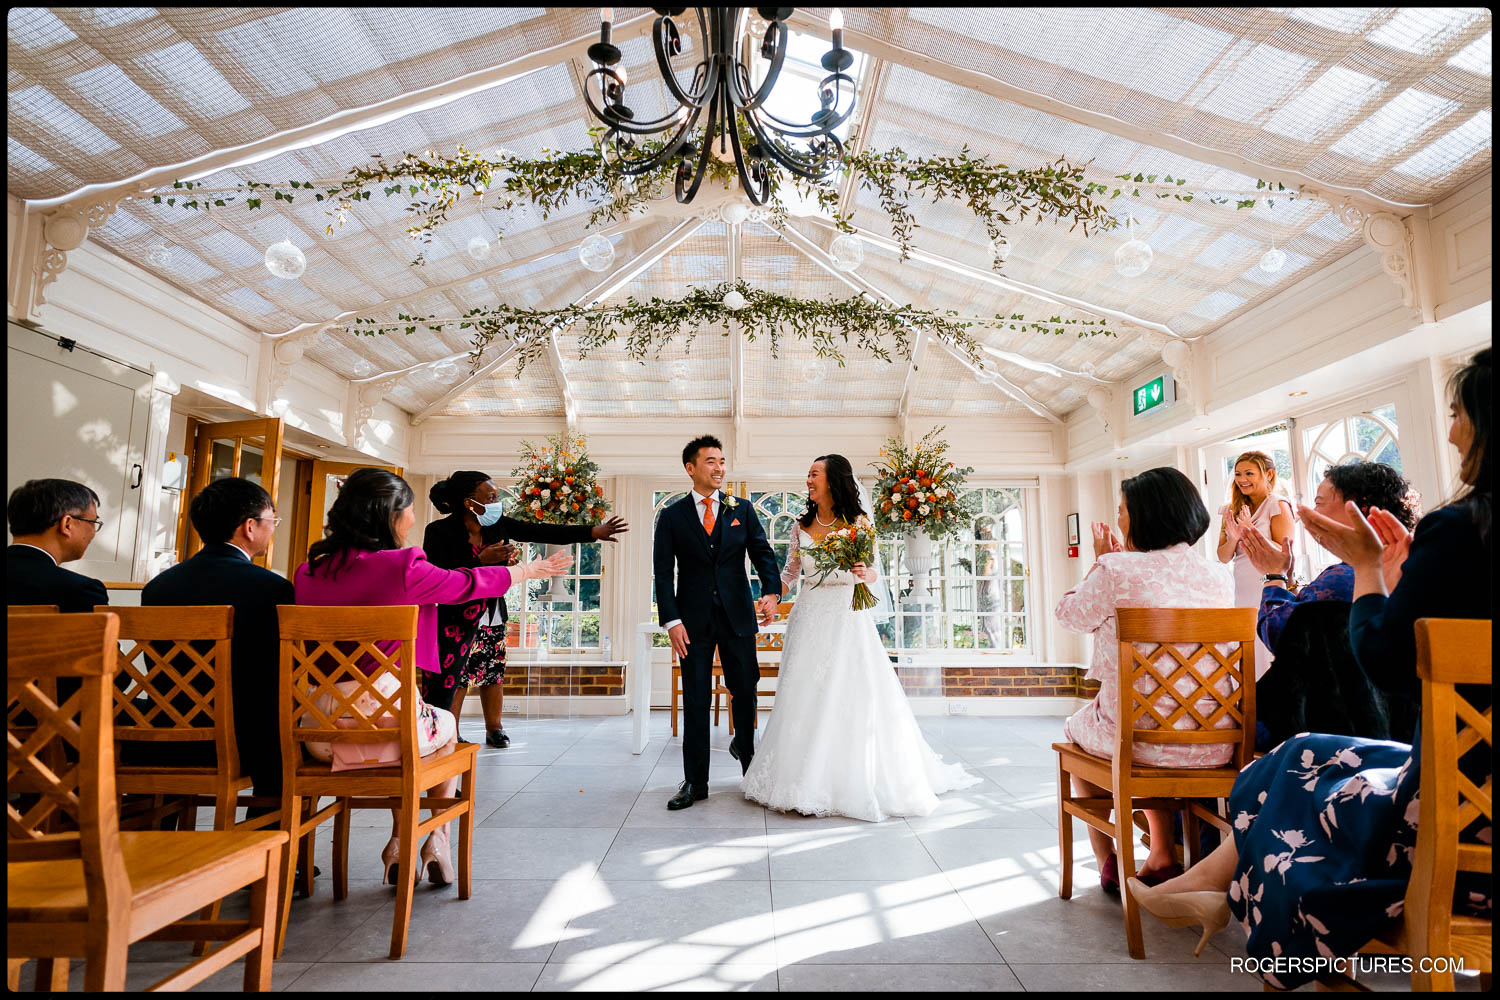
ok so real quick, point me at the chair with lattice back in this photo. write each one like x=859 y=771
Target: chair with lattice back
x=1451 y=811
x=333 y=690
x=1209 y=689
x=93 y=891
x=31 y=609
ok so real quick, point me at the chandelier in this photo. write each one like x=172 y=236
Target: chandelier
x=737 y=118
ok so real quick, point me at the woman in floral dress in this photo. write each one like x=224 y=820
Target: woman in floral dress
x=1325 y=826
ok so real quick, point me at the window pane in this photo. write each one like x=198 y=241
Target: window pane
x=590 y=559
x=588 y=591
x=588 y=631
x=560 y=628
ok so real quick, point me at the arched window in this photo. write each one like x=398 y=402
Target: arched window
x=566 y=611
x=974 y=596
x=1368 y=436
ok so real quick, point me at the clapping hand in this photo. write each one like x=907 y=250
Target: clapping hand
x=1105 y=539
x=1265 y=555
x=1396 y=542
x=554 y=565
x=499 y=554
x=1355 y=543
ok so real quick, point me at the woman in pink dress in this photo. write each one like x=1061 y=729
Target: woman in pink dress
x=1161 y=517
x=361 y=561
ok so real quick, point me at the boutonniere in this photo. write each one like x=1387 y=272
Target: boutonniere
x=730 y=501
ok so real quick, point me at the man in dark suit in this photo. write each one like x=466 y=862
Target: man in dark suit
x=52 y=521
x=236 y=520
x=706 y=537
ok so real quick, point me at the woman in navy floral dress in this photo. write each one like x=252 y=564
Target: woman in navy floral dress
x=1325 y=826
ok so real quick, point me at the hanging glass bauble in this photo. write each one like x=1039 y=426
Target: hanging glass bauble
x=734 y=300
x=1000 y=249
x=479 y=248
x=735 y=212
x=284 y=260
x=1273 y=261
x=814 y=371
x=363 y=368
x=446 y=370
x=160 y=256
x=848 y=252
x=680 y=371
x=596 y=253
x=1133 y=259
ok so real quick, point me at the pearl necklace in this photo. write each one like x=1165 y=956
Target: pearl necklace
x=823 y=523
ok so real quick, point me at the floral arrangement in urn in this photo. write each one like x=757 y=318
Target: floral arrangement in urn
x=557 y=483
x=920 y=491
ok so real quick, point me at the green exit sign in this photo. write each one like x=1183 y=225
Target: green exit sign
x=1158 y=392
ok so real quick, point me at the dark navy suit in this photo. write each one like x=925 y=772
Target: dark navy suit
x=711 y=596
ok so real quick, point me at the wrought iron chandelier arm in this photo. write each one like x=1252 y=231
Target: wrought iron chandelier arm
x=740 y=81
x=699 y=90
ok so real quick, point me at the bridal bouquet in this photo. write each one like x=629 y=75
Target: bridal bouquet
x=920 y=490
x=557 y=483
x=841 y=549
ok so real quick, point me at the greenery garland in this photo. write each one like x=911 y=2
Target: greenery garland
x=649 y=326
x=997 y=194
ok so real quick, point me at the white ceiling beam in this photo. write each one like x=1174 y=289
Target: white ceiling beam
x=909 y=384
x=560 y=373
x=971 y=79
x=621 y=277
x=317 y=327
x=365 y=117
x=818 y=256
x=1008 y=284
x=478 y=376
x=874 y=76
x=1041 y=366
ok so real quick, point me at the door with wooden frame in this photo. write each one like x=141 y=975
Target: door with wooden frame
x=327 y=479
x=250 y=449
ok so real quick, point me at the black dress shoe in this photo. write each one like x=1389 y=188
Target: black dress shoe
x=497 y=738
x=686 y=796
x=734 y=751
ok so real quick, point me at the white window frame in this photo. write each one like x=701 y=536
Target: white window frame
x=527 y=612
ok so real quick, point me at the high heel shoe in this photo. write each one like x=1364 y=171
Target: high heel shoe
x=390 y=865
x=435 y=860
x=1204 y=908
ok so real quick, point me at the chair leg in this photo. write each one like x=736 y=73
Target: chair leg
x=1064 y=832
x=730 y=699
x=1191 y=835
x=676 y=693
x=1125 y=851
x=341 y=851
x=51 y=975
x=224 y=806
x=466 y=834
x=291 y=822
x=108 y=952
x=263 y=917
x=405 y=878
x=306 y=848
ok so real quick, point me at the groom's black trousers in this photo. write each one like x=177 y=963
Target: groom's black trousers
x=741 y=676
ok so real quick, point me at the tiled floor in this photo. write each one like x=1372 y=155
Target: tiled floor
x=585 y=881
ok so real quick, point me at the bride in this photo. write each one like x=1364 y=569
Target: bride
x=841 y=739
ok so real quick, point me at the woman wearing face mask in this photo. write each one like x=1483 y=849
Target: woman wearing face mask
x=471 y=636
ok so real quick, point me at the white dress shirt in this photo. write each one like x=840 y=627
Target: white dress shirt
x=698 y=505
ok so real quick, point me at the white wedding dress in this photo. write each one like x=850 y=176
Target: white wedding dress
x=841 y=739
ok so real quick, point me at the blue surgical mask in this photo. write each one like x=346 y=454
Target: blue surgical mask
x=492 y=512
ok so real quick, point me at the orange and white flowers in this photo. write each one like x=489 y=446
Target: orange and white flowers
x=557 y=483
x=843 y=549
x=920 y=490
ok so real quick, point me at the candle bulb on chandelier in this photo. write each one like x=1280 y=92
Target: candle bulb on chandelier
x=606 y=18
x=836 y=22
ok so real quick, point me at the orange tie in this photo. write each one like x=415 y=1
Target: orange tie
x=708 y=515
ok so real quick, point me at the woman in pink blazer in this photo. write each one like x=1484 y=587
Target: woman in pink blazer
x=361 y=561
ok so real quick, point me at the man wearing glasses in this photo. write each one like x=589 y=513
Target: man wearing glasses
x=52 y=521
x=236 y=520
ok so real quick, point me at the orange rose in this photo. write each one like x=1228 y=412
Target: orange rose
x=570 y=480
x=887 y=506
x=598 y=491
x=906 y=516
x=912 y=502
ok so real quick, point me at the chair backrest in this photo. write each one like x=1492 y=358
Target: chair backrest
x=1210 y=675
x=1450 y=651
x=174 y=680
x=323 y=647
x=771 y=642
x=31 y=609
x=39 y=651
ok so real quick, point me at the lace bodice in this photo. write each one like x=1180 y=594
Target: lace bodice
x=800 y=565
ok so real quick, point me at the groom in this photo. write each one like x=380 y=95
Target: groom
x=706 y=535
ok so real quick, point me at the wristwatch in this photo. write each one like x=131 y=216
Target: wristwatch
x=1274 y=576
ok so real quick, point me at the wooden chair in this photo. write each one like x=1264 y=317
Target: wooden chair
x=1450 y=651
x=765 y=642
x=320 y=647
x=94 y=891
x=31 y=609
x=716 y=678
x=1163 y=705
